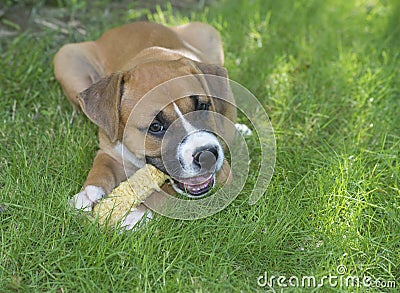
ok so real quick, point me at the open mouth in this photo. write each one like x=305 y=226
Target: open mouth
x=195 y=186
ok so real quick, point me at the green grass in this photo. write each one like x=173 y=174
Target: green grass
x=328 y=74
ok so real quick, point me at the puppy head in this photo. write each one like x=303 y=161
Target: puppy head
x=186 y=146
x=174 y=129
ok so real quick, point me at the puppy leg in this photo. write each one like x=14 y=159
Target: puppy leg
x=135 y=216
x=105 y=174
x=76 y=67
x=87 y=198
x=204 y=38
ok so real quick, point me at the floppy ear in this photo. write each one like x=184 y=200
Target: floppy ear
x=223 y=102
x=215 y=86
x=213 y=69
x=218 y=87
x=101 y=103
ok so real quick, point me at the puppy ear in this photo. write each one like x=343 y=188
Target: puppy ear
x=212 y=69
x=218 y=87
x=223 y=101
x=101 y=103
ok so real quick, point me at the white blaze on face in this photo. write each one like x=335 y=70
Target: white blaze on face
x=188 y=127
x=197 y=139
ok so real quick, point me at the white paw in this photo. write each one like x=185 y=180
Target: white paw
x=86 y=199
x=243 y=129
x=140 y=215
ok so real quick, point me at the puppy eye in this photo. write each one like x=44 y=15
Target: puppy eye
x=156 y=127
x=203 y=106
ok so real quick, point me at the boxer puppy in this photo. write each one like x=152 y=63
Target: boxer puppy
x=110 y=79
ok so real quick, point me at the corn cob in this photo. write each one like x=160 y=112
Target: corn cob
x=128 y=195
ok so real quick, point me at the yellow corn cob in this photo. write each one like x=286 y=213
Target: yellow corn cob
x=128 y=195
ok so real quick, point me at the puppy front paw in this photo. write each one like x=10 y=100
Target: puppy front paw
x=136 y=218
x=87 y=198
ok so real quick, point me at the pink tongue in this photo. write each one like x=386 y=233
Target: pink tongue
x=197 y=184
x=196 y=180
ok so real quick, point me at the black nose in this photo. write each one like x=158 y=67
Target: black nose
x=206 y=157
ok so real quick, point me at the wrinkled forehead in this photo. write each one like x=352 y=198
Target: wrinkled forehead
x=163 y=79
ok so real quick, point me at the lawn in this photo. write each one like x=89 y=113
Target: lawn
x=328 y=75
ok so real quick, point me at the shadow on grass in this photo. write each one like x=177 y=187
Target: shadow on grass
x=66 y=16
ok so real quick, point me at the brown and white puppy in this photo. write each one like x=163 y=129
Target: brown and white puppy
x=108 y=78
